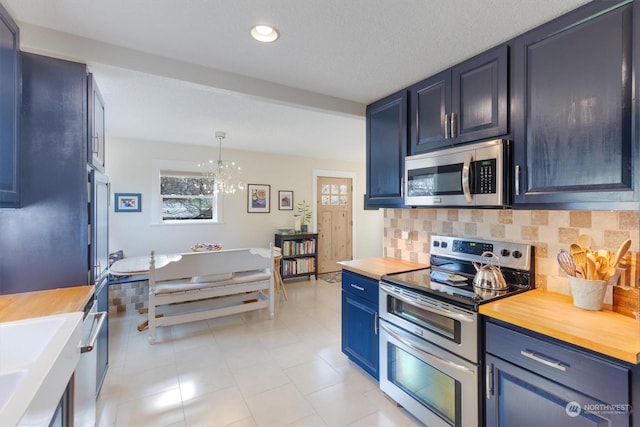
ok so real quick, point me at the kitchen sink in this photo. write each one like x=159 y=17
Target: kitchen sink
x=37 y=358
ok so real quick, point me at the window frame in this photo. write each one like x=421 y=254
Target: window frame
x=169 y=167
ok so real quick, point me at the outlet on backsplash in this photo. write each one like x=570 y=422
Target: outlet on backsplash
x=548 y=231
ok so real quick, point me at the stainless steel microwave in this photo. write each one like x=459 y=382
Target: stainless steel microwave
x=474 y=175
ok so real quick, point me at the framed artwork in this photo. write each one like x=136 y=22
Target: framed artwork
x=128 y=202
x=285 y=200
x=258 y=196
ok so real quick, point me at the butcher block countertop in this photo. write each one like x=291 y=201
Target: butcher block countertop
x=378 y=267
x=554 y=315
x=44 y=303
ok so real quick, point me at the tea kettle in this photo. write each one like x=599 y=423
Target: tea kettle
x=488 y=276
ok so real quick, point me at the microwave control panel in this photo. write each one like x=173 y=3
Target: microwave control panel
x=484 y=173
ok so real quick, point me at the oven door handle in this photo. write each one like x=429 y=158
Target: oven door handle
x=438 y=310
x=99 y=317
x=432 y=356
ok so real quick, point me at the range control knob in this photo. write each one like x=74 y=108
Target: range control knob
x=443 y=244
x=436 y=243
x=505 y=252
x=517 y=254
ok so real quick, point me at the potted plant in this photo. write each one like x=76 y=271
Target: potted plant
x=304 y=213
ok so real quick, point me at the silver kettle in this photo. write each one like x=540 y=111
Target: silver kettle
x=488 y=276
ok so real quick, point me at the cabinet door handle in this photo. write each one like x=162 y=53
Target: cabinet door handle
x=446 y=126
x=533 y=356
x=488 y=378
x=96 y=143
x=375 y=323
x=360 y=288
x=517 y=180
x=454 y=125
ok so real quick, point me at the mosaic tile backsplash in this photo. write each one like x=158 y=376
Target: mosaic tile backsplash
x=547 y=231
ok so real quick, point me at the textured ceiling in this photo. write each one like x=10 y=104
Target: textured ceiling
x=196 y=69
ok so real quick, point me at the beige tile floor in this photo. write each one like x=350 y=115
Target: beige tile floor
x=244 y=370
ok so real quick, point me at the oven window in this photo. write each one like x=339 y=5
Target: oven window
x=435 y=181
x=429 y=386
x=441 y=325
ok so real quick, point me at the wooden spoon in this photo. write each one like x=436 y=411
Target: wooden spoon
x=622 y=251
x=579 y=258
x=584 y=241
x=592 y=273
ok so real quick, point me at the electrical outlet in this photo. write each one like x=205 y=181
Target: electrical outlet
x=405 y=235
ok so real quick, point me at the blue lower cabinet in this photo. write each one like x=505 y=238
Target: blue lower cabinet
x=360 y=321
x=532 y=381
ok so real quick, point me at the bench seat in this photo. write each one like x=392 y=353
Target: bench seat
x=204 y=285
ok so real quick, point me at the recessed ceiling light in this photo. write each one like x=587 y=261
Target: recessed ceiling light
x=265 y=33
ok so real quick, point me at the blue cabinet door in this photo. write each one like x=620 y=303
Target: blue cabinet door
x=518 y=397
x=573 y=104
x=360 y=332
x=430 y=109
x=9 y=112
x=386 y=150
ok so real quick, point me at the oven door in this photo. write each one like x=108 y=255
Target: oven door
x=437 y=387
x=446 y=325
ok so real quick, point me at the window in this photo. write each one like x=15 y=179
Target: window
x=187 y=197
x=182 y=194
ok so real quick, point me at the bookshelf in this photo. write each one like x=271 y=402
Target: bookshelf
x=299 y=254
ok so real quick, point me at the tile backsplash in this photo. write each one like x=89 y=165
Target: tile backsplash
x=547 y=231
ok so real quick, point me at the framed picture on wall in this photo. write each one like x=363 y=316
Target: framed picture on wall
x=128 y=202
x=258 y=197
x=285 y=200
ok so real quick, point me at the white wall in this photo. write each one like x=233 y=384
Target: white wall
x=129 y=167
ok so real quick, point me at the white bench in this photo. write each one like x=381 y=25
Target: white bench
x=203 y=285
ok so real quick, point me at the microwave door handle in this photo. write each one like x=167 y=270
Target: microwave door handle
x=465 y=179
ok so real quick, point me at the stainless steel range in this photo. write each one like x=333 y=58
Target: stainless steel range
x=429 y=330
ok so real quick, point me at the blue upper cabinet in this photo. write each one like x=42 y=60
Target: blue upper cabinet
x=44 y=244
x=386 y=150
x=465 y=103
x=9 y=112
x=575 y=122
x=96 y=148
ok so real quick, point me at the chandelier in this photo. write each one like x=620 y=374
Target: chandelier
x=226 y=175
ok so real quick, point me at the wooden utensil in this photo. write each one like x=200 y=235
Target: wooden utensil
x=591 y=267
x=621 y=252
x=579 y=259
x=584 y=241
x=602 y=267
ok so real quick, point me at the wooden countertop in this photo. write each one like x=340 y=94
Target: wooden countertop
x=378 y=267
x=44 y=303
x=554 y=315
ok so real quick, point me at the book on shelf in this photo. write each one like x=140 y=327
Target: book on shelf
x=298 y=247
x=291 y=267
